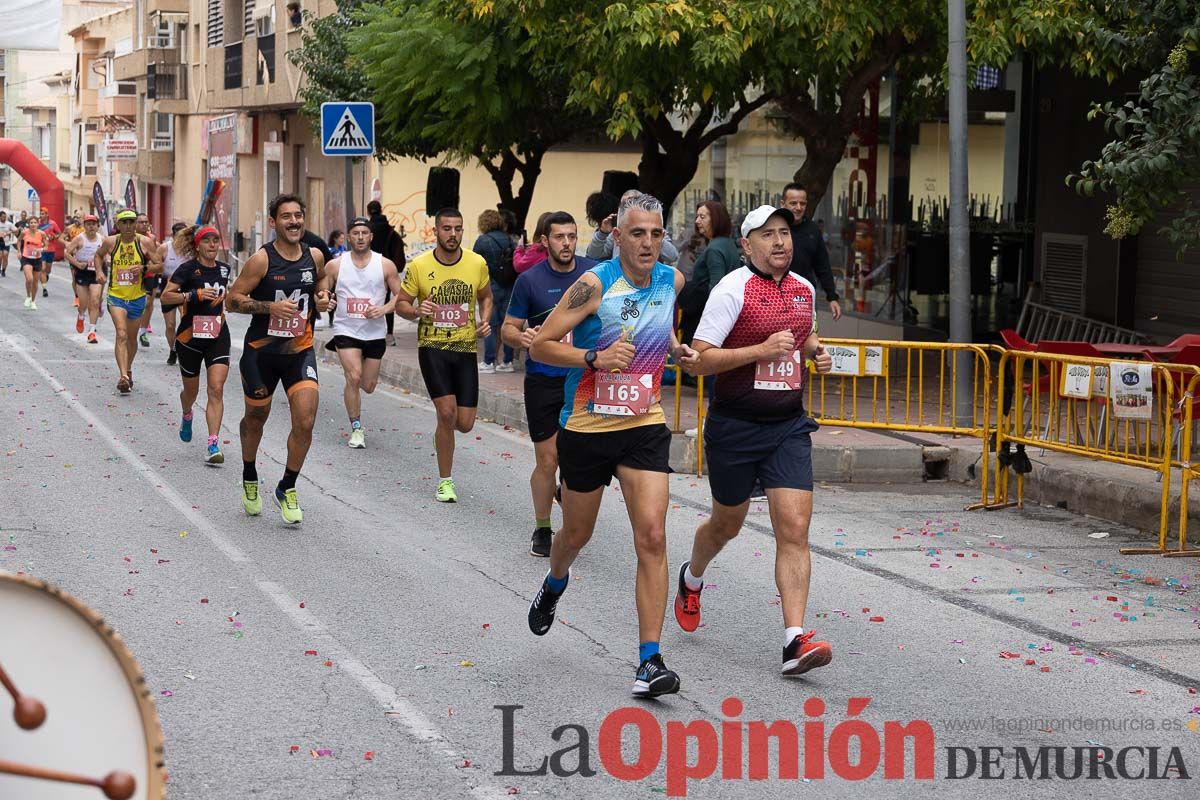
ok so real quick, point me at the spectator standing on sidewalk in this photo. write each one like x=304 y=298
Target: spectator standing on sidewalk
x=496 y=246
x=720 y=257
x=810 y=255
x=534 y=253
x=389 y=244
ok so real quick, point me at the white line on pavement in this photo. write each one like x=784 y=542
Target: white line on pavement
x=394 y=705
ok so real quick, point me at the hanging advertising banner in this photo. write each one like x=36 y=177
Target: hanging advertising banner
x=1131 y=390
x=222 y=166
x=121 y=146
x=101 y=208
x=131 y=195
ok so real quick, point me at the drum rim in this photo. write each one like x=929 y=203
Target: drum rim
x=151 y=726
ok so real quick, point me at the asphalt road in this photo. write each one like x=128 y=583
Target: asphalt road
x=416 y=610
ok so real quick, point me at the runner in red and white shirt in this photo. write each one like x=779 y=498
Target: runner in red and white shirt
x=757 y=331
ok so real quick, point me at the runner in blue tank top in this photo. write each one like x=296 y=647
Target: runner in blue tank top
x=620 y=314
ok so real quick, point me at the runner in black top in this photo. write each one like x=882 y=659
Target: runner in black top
x=202 y=337
x=282 y=286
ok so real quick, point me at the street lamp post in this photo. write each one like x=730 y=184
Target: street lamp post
x=960 y=242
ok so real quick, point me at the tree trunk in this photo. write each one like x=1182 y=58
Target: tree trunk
x=666 y=174
x=821 y=157
x=504 y=173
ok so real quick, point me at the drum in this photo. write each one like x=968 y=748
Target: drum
x=76 y=717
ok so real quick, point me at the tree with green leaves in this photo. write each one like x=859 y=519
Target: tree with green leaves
x=1155 y=150
x=447 y=84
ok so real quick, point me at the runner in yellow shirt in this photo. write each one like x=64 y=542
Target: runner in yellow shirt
x=442 y=289
x=132 y=256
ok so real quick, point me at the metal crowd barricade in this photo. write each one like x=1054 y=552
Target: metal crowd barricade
x=1121 y=412
x=905 y=386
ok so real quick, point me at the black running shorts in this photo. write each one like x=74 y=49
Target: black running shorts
x=371 y=348
x=779 y=454
x=84 y=277
x=449 y=373
x=543 y=404
x=263 y=372
x=35 y=263
x=587 y=461
x=202 y=352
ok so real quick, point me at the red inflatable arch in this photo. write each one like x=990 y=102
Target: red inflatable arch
x=47 y=185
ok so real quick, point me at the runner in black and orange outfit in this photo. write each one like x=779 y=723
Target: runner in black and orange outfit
x=202 y=338
x=282 y=287
x=132 y=257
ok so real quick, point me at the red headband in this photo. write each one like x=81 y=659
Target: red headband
x=205 y=231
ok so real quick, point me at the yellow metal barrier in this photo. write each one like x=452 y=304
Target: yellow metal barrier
x=1121 y=412
x=905 y=386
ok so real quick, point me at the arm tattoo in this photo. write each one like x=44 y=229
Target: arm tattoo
x=248 y=306
x=580 y=293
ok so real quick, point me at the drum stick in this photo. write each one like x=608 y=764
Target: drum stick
x=116 y=785
x=27 y=711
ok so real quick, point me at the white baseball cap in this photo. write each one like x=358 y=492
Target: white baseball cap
x=759 y=216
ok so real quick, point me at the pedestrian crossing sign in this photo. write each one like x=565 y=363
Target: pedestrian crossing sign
x=348 y=129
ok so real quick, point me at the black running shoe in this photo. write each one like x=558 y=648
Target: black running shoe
x=539 y=545
x=44 y=292
x=541 y=610
x=653 y=678
x=172 y=359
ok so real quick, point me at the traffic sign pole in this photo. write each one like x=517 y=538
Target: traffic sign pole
x=348 y=130
x=349 y=188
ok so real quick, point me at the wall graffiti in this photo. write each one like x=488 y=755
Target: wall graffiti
x=409 y=216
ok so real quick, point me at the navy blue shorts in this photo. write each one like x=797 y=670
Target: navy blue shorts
x=778 y=454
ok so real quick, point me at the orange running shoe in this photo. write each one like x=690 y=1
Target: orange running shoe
x=803 y=654
x=687 y=604
x=92 y=338
x=79 y=324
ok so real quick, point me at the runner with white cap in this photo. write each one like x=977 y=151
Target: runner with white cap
x=757 y=330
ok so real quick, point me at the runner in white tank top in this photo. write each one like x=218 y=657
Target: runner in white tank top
x=172 y=256
x=360 y=280
x=87 y=276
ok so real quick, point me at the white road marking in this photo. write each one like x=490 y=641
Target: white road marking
x=395 y=706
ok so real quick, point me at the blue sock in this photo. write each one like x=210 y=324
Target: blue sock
x=557 y=585
x=646 y=650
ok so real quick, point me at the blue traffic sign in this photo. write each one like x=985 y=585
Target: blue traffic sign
x=348 y=129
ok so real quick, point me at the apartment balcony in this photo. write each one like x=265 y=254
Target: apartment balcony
x=117 y=105
x=130 y=66
x=169 y=6
x=157 y=163
x=249 y=75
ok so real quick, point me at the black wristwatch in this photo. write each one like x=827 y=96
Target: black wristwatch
x=589 y=358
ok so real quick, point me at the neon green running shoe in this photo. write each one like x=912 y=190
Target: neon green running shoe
x=445 y=492
x=289 y=506
x=250 y=498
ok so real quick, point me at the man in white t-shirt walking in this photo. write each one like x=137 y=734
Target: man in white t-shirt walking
x=361 y=280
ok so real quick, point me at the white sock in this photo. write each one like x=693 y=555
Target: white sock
x=91 y=327
x=445 y=478
x=691 y=581
x=791 y=633
x=79 y=316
